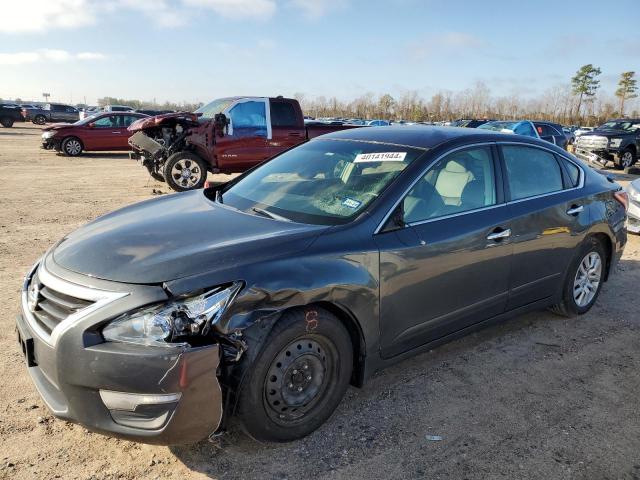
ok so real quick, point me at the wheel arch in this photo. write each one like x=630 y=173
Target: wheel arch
x=607 y=243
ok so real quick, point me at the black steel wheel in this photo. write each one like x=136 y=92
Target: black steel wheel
x=298 y=378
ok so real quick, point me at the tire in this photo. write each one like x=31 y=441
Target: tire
x=298 y=378
x=174 y=171
x=572 y=304
x=626 y=160
x=6 y=122
x=71 y=146
x=39 y=120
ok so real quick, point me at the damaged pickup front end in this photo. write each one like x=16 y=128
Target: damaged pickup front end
x=157 y=138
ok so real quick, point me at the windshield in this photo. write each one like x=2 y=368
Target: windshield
x=498 y=126
x=326 y=182
x=217 y=106
x=626 y=126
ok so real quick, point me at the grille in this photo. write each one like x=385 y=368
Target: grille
x=592 y=141
x=50 y=307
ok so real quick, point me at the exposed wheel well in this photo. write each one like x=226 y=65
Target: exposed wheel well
x=357 y=340
x=604 y=239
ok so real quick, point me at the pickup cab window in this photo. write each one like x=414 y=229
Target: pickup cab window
x=283 y=114
x=249 y=119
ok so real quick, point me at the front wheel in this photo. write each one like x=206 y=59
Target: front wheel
x=299 y=377
x=6 y=122
x=71 y=146
x=39 y=120
x=583 y=281
x=185 y=171
x=627 y=159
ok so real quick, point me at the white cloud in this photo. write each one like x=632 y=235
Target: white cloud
x=237 y=8
x=317 y=8
x=161 y=12
x=47 y=55
x=27 y=16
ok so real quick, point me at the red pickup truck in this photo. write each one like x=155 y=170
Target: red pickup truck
x=228 y=135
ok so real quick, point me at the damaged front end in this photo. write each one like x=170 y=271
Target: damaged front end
x=157 y=138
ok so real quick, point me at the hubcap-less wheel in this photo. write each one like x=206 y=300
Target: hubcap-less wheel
x=627 y=159
x=72 y=147
x=186 y=173
x=296 y=380
x=587 y=280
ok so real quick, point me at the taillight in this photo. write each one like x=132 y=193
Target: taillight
x=623 y=198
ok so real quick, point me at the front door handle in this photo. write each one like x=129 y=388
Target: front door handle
x=115 y=132
x=498 y=235
x=575 y=210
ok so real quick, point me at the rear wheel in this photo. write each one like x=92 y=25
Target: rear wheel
x=299 y=377
x=71 y=146
x=39 y=120
x=583 y=281
x=185 y=171
x=6 y=122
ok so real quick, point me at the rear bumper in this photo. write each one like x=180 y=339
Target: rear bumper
x=156 y=395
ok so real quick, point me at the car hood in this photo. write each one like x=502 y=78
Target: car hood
x=149 y=122
x=57 y=126
x=177 y=236
x=606 y=133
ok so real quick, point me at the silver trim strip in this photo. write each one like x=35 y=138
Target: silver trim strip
x=458 y=214
x=99 y=297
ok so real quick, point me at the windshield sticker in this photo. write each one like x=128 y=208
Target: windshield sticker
x=380 y=157
x=351 y=203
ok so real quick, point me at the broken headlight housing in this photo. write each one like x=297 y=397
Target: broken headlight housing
x=172 y=321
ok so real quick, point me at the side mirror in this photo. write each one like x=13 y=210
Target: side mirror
x=220 y=123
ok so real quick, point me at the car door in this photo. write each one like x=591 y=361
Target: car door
x=99 y=134
x=448 y=268
x=548 y=218
x=123 y=138
x=286 y=127
x=246 y=141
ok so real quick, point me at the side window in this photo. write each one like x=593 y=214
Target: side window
x=71 y=110
x=525 y=128
x=129 y=119
x=249 y=119
x=460 y=182
x=573 y=171
x=105 y=122
x=283 y=114
x=531 y=171
x=57 y=108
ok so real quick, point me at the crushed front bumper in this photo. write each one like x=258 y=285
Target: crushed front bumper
x=598 y=156
x=157 y=395
x=50 y=144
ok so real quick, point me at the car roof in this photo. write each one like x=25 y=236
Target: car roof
x=422 y=136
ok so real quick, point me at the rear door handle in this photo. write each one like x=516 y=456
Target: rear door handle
x=575 y=210
x=115 y=132
x=496 y=236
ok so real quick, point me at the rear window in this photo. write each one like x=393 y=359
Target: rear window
x=521 y=162
x=283 y=114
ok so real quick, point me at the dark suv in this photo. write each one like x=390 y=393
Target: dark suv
x=616 y=141
x=552 y=132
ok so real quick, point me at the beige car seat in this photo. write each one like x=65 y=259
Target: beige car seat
x=451 y=182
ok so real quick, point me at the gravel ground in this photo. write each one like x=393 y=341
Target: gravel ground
x=536 y=397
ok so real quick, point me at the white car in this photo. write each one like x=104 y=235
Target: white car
x=633 y=214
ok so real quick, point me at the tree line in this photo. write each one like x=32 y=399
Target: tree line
x=146 y=105
x=578 y=102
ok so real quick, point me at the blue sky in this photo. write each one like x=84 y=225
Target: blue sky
x=196 y=50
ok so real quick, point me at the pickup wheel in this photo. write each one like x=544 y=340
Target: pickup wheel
x=71 y=146
x=298 y=378
x=39 y=120
x=185 y=171
x=6 y=122
x=627 y=159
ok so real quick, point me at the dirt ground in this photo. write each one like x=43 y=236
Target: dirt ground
x=536 y=397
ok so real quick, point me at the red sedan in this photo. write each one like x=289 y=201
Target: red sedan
x=105 y=131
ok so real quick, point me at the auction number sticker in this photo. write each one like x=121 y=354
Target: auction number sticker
x=380 y=157
x=351 y=203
